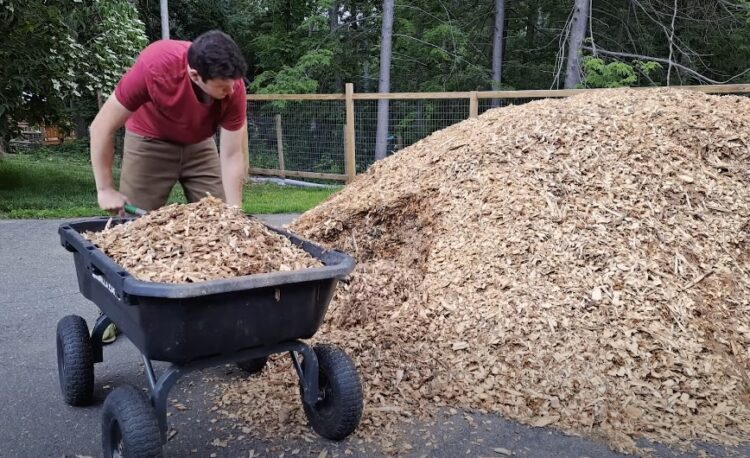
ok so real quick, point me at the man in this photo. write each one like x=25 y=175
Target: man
x=171 y=102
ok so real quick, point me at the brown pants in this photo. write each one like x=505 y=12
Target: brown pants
x=151 y=167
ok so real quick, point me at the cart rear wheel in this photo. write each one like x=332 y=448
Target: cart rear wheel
x=75 y=361
x=130 y=428
x=338 y=410
x=253 y=366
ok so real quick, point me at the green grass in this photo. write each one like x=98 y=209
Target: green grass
x=61 y=186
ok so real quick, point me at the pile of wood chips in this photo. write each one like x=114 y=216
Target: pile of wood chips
x=205 y=240
x=581 y=263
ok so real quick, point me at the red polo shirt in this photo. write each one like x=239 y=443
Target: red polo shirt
x=158 y=90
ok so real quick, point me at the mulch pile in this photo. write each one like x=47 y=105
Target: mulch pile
x=581 y=263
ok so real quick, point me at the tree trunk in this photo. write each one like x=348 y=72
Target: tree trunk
x=384 y=85
x=366 y=67
x=79 y=122
x=531 y=21
x=164 y=19
x=366 y=77
x=333 y=17
x=82 y=127
x=497 y=44
x=671 y=44
x=497 y=47
x=577 y=34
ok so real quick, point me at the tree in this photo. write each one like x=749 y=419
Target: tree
x=111 y=36
x=441 y=46
x=597 y=73
x=449 y=46
x=497 y=44
x=36 y=55
x=55 y=51
x=696 y=42
x=164 y=14
x=381 y=137
x=578 y=25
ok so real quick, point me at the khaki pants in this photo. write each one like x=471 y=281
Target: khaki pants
x=151 y=167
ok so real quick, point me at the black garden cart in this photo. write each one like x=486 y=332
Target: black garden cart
x=193 y=326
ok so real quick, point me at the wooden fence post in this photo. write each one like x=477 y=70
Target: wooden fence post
x=473 y=105
x=280 y=144
x=349 y=146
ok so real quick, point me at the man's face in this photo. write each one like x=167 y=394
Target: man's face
x=218 y=88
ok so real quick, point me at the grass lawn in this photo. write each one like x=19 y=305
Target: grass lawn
x=61 y=186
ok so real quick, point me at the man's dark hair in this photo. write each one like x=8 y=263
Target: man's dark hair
x=215 y=55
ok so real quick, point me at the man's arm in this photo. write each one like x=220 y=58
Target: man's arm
x=233 y=144
x=111 y=117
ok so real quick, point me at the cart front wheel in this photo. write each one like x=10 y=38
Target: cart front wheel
x=253 y=366
x=130 y=428
x=75 y=361
x=338 y=409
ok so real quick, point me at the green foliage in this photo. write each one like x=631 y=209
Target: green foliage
x=57 y=51
x=711 y=37
x=597 y=73
x=110 y=36
x=75 y=151
x=302 y=78
x=36 y=67
x=297 y=47
x=600 y=74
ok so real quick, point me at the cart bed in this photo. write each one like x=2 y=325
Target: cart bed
x=180 y=323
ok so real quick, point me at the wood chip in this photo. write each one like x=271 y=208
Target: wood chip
x=219 y=443
x=545 y=421
x=206 y=240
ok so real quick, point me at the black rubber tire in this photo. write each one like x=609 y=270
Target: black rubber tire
x=253 y=366
x=129 y=425
x=339 y=408
x=75 y=361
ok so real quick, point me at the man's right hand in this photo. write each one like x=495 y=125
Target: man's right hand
x=111 y=200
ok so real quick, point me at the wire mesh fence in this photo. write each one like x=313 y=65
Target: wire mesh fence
x=313 y=135
x=307 y=135
x=408 y=122
x=488 y=104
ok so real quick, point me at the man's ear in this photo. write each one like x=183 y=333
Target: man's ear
x=194 y=76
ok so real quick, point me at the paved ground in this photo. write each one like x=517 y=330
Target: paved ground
x=38 y=287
